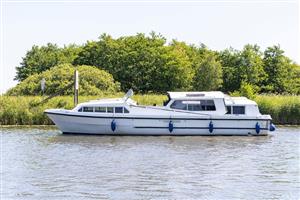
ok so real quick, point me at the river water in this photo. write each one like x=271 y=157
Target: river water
x=41 y=163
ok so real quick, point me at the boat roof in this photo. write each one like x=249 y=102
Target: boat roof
x=111 y=101
x=239 y=101
x=196 y=95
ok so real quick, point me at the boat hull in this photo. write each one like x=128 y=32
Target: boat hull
x=114 y=125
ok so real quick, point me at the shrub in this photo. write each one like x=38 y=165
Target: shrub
x=93 y=81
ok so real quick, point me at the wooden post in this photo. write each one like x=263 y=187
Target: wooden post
x=76 y=86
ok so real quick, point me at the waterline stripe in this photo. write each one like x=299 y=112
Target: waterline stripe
x=239 y=128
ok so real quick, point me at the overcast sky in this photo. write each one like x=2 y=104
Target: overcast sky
x=218 y=24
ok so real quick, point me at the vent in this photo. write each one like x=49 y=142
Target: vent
x=195 y=95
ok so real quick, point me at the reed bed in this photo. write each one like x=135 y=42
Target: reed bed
x=23 y=110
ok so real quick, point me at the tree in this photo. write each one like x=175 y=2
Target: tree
x=242 y=66
x=92 y=80
x=143 y=63
x=230 y=60
x=40 y=59
x=208 y=74
x=278 y=68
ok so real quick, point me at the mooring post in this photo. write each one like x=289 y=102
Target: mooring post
x=76 y=86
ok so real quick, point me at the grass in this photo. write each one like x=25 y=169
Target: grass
x=283 y=109
x=21 y=110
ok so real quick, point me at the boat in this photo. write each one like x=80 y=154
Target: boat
x=184 y=113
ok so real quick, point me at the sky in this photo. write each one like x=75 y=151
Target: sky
x=219 y=24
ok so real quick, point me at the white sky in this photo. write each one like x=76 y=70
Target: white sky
x=218 y=24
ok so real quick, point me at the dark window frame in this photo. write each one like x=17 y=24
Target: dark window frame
x=88 y=109
x=119 y=108
x=236 y=111
x=108 y=109
x=99 y=111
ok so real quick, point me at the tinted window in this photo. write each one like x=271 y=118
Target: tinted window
x=110 y=109
x=179 y=105
x=80 y=110
x=228 y=109
x=125 y=110
x=118 y=109
x=209 y=105
x=88 y=109
x=194 y=107
x=100 y=109
x=238 y=109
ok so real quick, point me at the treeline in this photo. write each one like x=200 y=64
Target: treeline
x=150 y=64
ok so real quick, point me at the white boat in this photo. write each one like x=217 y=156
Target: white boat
x=184 y=113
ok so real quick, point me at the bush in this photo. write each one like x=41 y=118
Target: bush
x=93 y=81
x=246 y=90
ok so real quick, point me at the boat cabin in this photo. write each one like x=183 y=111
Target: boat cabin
x=214 y=102
x=211 y=103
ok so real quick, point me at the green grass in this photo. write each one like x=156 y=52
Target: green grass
x=20 y=110
x=283 y=109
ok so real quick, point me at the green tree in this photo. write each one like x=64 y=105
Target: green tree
x=40 y=59
x=293 y=84
x=143 y=63
x=92 y=80
x=208 y=74
x=278 y=68
x=230 y=60
x=242 y=66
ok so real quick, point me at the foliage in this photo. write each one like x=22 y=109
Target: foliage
x=208 y=73
x=40 y=59
x=283 y=109
x=93 y=81
x=19 y=110
x=150 y=64
x=279 y=70
x=140 y=62
x=242 y=66
x=246 y=90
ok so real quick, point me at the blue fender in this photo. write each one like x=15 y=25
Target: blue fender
x=257 y=128
x=272 y=127
x=211 y=127
x=171 y=126
x=113 y=125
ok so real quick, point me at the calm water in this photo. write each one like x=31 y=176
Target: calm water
x=43 y=164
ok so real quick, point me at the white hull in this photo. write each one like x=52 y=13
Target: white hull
x=155 y=125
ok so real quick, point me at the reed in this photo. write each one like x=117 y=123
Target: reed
x=21 y=110
x=283 y=109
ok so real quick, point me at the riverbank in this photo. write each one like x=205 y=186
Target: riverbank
x=22 y=110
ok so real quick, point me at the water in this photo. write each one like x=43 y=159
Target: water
x=41 y=163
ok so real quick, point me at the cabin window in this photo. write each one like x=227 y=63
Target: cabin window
x=80 y=109
x=199 y=105
x=100 y=109
x=228 y=109
x=88 y=109
x=125 y=110
x=118 y=109
x=238 y=110
x=193 y=105
x=110 y=109
x=209 y=105
x=179 y=105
